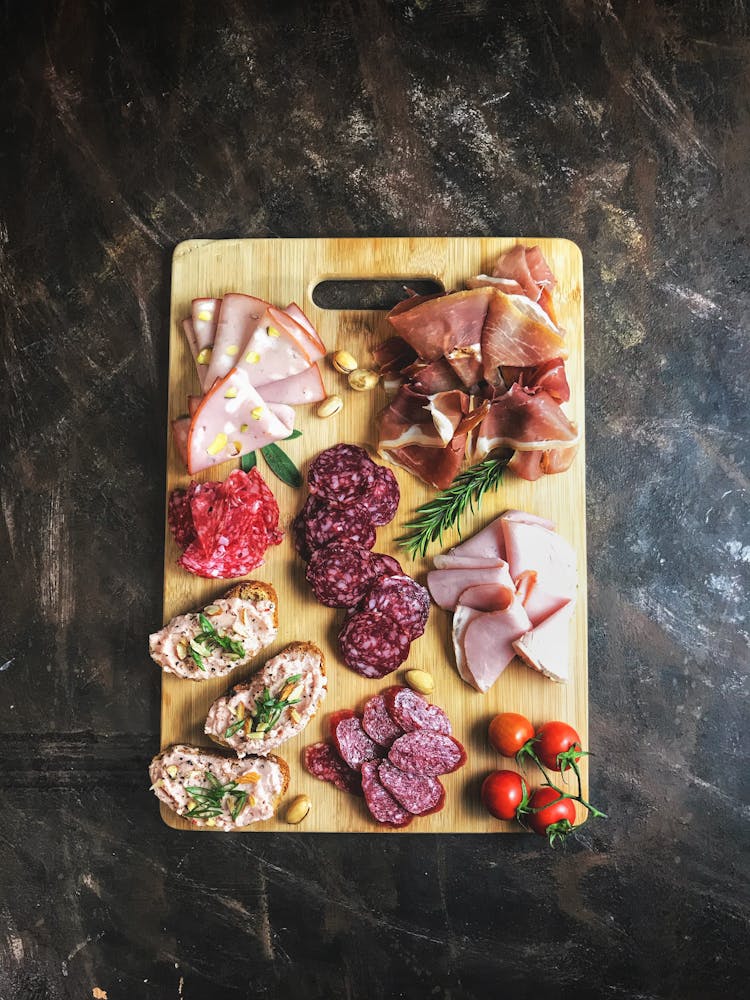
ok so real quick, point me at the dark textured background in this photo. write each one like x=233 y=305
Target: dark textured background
x=127 y=127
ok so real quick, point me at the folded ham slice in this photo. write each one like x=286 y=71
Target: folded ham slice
x=447 y=585
x=233 y=420
x=487 y=642
x=532 y=465
x=546 y=647
x=437 y=467
x=431 y=421
x=527 y=267
x=237 y=317
x=535 y=547
x=473 y=602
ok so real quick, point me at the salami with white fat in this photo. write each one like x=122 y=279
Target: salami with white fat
x=377 y=722
x=410 y=711
x=342 y=474
x=384 y=808
x=353 y=743
x=427 y=753
x=340 y=574
x=384 y=565
x=418 y=794
x=383 y=498
x=373 y=644
x=324 y=763
x=402 y=599
x=323 y=523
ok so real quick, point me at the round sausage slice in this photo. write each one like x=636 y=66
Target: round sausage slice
x=426 y=753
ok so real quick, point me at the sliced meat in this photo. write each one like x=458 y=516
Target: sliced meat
x=427 y=753
x=342 y=474
x=294 y=311
x=373 y=644
x=447 y=585
x=276 y=349
x=437 y=467
x=527 y=267
x=517 y=332
x=546 y=647
x=411 y=711
x=525 y=421
x=383 y=499
x=304 y=387
x=534 y=547
x=204 y=315
x=436 y=326
x=418 y=794
x=488 y=643
x=353 y=743
x=324 y=763
x=383 y=807
x=237 y=317
x=384 y=565
x=340 y=574
x=532 y=465
x=402 y=599
x=323 y=523
x=452 y=560
x=377 y=722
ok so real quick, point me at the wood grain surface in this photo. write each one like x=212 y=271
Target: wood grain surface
x=285 y=270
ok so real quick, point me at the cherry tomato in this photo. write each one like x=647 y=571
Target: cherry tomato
x=509 y=731
x=502 y=793
x=562 y=812
x=555 y=738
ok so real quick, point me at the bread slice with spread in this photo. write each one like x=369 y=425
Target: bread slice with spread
x=226 y=634
x=213 y=790
x=275 y=705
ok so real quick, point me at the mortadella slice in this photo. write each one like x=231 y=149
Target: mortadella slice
x=299 y=317
x=488 y=643
x=204 y=316
x=189 y=331
x=447 y=585
x=237 y=318
x=180 y=433
x=305 y=387
x=232 y=420
x=546 y=647
x=276 y=349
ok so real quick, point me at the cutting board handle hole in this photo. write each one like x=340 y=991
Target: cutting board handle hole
x=369 y=293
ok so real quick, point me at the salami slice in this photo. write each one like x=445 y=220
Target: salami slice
x=384 y=565
x=377 y=722
x=324 y=763
x=324 y=523
x=426 y=753
x=335 y=717
x=373 y=644
x=411 y=711
x=403 y=600
x=180 y=518
x=418 y=794
x=353 y=743
x=340 y=574
x=383 y=498
x=342 y=474
x=299 y=538
x=384 y=808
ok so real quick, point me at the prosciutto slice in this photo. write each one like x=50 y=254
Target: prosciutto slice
x=436 y=326
x=437 y=376
x=414 y=418
x=527 y=267
x=233 y=420
x=532 y=465
x=525 y=421
x=517 y=332
x=437 y=467
x=237 y=316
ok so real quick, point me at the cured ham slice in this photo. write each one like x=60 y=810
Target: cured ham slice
x=232 y=420
x=524 y=421
x=546 y=647
x=532 y=465
x=527 y=267
x=305 y=387
x=204 y=316
x=466 y=362
x=534 y=547
x=437 y=467
x=447 y=585
x=276 y=349
x=237 y=317
x=438 y=376
x=549 y=376
x=414 y=418
x=436 y=326
x=517 y=332
x=487 y=643
x=394 y=356
x=507 y=285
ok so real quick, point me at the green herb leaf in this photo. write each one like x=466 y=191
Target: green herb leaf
x=248 y=462
x=234 y=728
x=294 y=435
x=282 y=466
x=447 y=506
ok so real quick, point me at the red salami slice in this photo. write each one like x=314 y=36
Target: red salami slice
x=339 y=574
x=384 y=565
x=299 y=538
x=403 y=600
x=335 y=717
x=342 y=474
x=418 y=794
x=180 y=518
x=411 y=711
x=380 y=802
x=324 y=523
x=373 y=644
x=427 y=753
x=324 y=763
x=378 y=724
x=383 y=498
x=353 y=743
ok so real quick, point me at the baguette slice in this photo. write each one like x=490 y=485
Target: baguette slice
x=248 y=613
x=179 y=768
x=224 y=721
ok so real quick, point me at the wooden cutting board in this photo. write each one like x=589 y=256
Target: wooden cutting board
x=286 y=270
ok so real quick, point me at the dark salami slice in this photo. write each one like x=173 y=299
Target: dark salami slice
x=324 y=763
x=324 y=523
x=411 y=711
x=180 y=518
x=339 y=574
x=373 y=644
x=384 y=565
x=342 y=474
x=427 y=753
x=418 y=794
x=383 y=498
x=299 y=538
x=380 y=802
x=403 y=600
x=378 y=724
x=353 y=743
x=335 y=717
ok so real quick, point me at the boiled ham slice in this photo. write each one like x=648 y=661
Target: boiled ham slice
x=305 y=387
x=537 y=548
x=473 y=602
x=232 y=420
x=237 y=317
x=487 y=642
x=546 y=647
x=447 y=585
x=452 y=560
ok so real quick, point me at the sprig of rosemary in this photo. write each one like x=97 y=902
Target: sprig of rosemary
x=202 y=643
x=447 y=507
x=209 y=802
x=268 y=709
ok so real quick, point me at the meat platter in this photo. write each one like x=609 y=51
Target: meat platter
x=287 y=271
